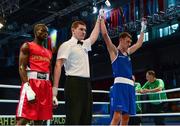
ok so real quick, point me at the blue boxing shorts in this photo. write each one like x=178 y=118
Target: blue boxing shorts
x=124 y=99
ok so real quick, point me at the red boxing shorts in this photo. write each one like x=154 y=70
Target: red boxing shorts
x=41 y=108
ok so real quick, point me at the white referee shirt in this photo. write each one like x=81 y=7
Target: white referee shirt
x=76 y=57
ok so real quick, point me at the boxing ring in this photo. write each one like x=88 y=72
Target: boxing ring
x=101 y=115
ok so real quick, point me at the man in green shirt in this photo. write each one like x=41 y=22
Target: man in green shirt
x=152 y=86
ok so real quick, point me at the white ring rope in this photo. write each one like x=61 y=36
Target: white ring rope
x=8 y=101
x=158 y=114
x=59 y=89
x=96 y=91
x=107 y=115
x=164 y=91
x=101 y=91
x=60 y=102
x=161 y=100
x=94 y=115
x=9 y=86
x=101 y=103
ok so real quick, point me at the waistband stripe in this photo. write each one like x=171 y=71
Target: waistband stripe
x=123 y=80
x=38 y=75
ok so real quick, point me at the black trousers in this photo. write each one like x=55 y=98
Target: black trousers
x=159 y=108
x=78 y=101
x=135 y=121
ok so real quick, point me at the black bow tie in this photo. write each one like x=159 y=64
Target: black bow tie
x=79 y=42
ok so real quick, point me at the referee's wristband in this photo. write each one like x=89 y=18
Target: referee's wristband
x=55 y=91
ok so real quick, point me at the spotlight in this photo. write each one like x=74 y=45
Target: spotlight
x=94 y=10
x=107 y=3
x=2 y=21
x=1 y=25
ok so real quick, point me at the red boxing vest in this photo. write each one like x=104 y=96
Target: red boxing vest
x=39 y=58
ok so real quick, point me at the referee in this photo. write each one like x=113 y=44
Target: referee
x=73 y=54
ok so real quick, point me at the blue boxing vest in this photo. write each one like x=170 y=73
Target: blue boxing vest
x=122 y=66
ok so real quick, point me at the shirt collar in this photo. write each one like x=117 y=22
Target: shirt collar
x=74 y=40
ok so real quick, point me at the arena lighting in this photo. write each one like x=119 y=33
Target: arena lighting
x=94 y=7
x=1 y=25
x=1 y=22
x=53 y=36
x=94 y=10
